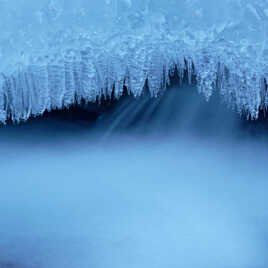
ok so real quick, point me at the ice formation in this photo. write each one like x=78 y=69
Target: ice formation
x=55 y=53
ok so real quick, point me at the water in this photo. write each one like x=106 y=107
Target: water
x=174 y=182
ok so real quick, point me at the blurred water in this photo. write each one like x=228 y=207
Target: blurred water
x=173 y=182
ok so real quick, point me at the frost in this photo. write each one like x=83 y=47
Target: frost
x=55 y=53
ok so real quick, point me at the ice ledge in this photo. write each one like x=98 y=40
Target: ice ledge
x=55 y=53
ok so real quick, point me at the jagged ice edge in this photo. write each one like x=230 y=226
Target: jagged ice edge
x=61 y=79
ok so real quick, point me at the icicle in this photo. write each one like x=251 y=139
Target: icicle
x=89 y=85
x=206 y=74
x=137 y=71
x=155 y=73
x=69 y=77
x=3 y=112
x=40 y=96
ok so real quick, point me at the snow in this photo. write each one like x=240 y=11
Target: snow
x=53 y=52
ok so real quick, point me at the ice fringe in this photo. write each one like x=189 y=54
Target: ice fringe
x=60 y=81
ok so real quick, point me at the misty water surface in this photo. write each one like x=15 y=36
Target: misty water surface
x=174 y=182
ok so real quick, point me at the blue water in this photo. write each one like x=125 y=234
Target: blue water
x=77 y=195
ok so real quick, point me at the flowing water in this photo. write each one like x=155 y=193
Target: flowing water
x=169 y=182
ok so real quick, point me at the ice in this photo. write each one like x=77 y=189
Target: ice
x=53 y=53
